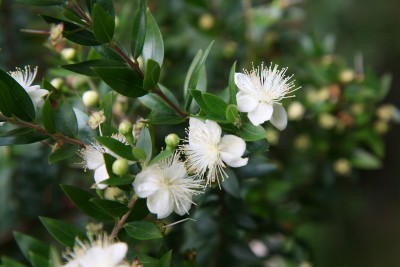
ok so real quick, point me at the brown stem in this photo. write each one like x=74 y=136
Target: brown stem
x=121 y=222
x=158 y=92
x=56 y=136
x=133 y=65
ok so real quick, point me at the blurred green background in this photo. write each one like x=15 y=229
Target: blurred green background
x=349 y=221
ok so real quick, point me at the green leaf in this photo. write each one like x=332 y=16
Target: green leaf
x=41 y=2
x=232 y=114
x=122 y=150
x=139 y=211
x=364 y=160
x=65 y=120
x=21 y=136
x=109 y=161
x=62 y=232
x=261 y=145
x=48 y=119
x=107 y=105
x=64 y=152
x=153 y=47
x=249 y=132
x=152 y=75
x=107 y=6
x=29 y=244
x=385 y=83
x=119 y=181
x=139 y=153
x=138 y=34
x=165 y=260
x=81 y=199
x=198 y=96
x=38 y=260
x=232 y=85
x=54 y=258
x=231 y=184
x=14 y=100
x=143 y=230
x=216 y=105
x=186 y=90
x=85 y=67
x=162 y=155
x=155 y=103
x=123 y=80
x=112 y=208
x=164 y=118
x=145 y=142
x=8 y=262
x=103 y=24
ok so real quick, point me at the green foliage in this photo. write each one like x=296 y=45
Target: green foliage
x=64 y=233
x=138 y=34
x=143 y=230
x=103 y=24
x=152 y=75
x=153 y=47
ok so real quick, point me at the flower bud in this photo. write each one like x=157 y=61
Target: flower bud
x=385 y=112
x=120 y=167
x=90 y=98
x=381 y=126
x=68 y=54
x=272 y=136
x=206 y=21
x=171 y=140
x=342 y=166
x=302 y=142
x=295 y=111
x=125 y=127
x=57 y=83
x=113 y=193
x=346 y=76
x=326 y=120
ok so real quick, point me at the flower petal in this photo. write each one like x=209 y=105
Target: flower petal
x=161 y=203
x=214 y=131
x=145 y=189
x=279 y=117
x=232 y=144
x=246 y=102
x=182 y=207
x=243 y=82
x=116 y=252
x=261 y=114
x=233 y=160
x=101 y=174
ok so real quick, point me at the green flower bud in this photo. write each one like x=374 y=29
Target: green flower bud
x=120 y=167
x=125 y=128
x=68 y=53
x=90 y=98
x=171 y=140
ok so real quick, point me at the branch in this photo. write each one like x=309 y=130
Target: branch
x=121 y=222
x=56 y=136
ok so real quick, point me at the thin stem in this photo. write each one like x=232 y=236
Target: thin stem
x=56 y=136
x=79 y=11
x=158 y=92
x=133 y=65
x=123 y=219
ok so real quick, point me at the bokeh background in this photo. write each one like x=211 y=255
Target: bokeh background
x=340 y=220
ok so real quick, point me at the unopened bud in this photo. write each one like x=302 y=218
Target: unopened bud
x=206 y=21
x=346 y=76
x=302 y=142
x=113 y=193
x=381 y=126
x=342 y=167
x=120 y=167
x=125 y=128
x=327 y=121
x=295 y=111
x=68 y=53
x=57 y=82
x=171 y=140
x=90 y=98
x=272 y=136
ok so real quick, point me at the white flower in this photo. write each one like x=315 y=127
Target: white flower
x=167 y=187
x=94 y=160
x=260 y=93
x=97 y=253
x=207 y=152
x=25 y=79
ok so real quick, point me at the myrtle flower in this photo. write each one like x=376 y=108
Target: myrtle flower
x=25 y=79
x=99 y=252
x=167 y=187
x=207 y=153
x=260 y=94
x=93 y=159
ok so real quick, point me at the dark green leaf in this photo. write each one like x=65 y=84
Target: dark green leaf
x=198 y=96
x=119 y=181
x=122 y=150
x=145 y=142
x=48 y=116
x=21 y=136
x=231 y=184
x=7 y=262
x=153 y=47
x=38 y=260
x=41 y=2
x=48 y=86
x=29 y=244
x=112 y=208
x=64 y=152
x=155 y=103
x=249 y=132
x=216 y=105
x=139 y=210
x=108 y=53
x=232 y=85
x=152 y=75
x=165 y=260
x=169 y=94
x=261 y=145
x=186 y=90
x=162 y=155
x=232 y=114
x=163 y=118
x=71 y=15
x=107 y=105
x=81 y=199
x=65 y=120
x=143 y=230
x=14 y=100
x=85 y=67
x=138 y=34
x=109 y=161
x=62 y=232
x=123 y=80
x=103 y=24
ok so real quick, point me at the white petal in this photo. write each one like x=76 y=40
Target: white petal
x=161 y=203
x=101 y=174
x=243 y=82
x=145 y=189
x=73 y=263
x=279 y=117
x=245 y=102
x=214 y=131
x=93 y=257
x=232 y=144
x=261 y=114
x=183 y=207
x=233 y=160
x=117 y=252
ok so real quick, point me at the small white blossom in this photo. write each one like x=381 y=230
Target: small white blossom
x=97 y=253
x=25 y=79
x=94 y=160
x=207 y=153
x=167 y=187
x=260 y=94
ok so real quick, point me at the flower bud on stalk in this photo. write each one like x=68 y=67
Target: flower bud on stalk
x=171 y=140
x=126 y=129
x=120 y=167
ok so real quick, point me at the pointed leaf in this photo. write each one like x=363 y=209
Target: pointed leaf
x=145 y=142
x=64 y=152
x=138 y=34
x=122 y=150
x=85 y=67
x=153 y=47
x=48 y=119
x=152 y=75
x=28 y=244
x=65 y=120
x=103 y=24
x=249 y=132
x=64 y=233
x=232 y=85
x=143 y=230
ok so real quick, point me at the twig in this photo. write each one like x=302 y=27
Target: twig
x=121 y=222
